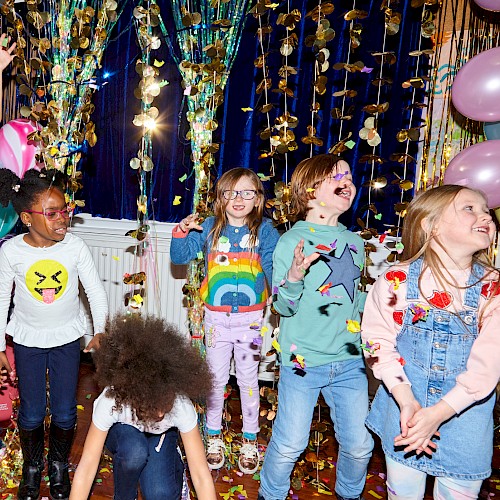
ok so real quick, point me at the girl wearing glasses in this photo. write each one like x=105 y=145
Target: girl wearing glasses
x=46 y=265
x=238 y=244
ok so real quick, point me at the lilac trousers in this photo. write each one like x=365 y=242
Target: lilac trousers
x=227 y=334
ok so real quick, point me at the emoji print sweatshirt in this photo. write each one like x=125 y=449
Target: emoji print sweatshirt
x=236 y=275
x=320 y=314
x=47 y=310
x=385 y=308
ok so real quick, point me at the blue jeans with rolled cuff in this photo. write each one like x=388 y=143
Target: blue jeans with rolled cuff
x=345 y=389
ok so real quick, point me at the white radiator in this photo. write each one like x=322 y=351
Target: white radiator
x=114 y=255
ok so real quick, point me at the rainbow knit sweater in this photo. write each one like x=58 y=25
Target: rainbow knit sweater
x=237 y=277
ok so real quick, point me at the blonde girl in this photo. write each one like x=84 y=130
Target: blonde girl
x=430 y=327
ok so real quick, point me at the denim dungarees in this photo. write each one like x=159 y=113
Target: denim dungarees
x=436 y=351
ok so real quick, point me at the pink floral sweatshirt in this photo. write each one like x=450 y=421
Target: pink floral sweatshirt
x=383 y=315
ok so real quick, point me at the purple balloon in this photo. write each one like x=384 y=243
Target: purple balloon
x=493 y=5
x=476 y=89
x=478 y=167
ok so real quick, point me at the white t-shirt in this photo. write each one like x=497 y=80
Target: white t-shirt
x=46 y=305
x=183 y=416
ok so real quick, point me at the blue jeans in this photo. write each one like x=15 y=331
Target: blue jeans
x=345 y=389
x=136 y=460
x=63 y=363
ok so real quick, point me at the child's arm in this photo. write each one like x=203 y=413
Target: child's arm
x=6 y=284
x=94 y=289
x=379 y=330
x=186 y=244
x=6 y=56
x=87 y=468
x=483 y=364
x=288 y=276
x=268 y=240
x=197 y=463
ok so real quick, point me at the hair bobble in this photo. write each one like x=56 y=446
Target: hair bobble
x=16 y=188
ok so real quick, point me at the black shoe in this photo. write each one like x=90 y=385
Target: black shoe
x=60 y=441
x=32 y=443
x=60 y=485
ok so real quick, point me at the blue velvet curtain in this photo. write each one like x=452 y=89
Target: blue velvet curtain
x=111 y=185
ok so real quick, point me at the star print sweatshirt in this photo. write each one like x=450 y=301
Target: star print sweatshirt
x=315 y=311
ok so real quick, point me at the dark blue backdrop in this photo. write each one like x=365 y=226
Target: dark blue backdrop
x=111 y=186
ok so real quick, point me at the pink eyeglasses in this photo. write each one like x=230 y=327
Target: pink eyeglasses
x=52 y=215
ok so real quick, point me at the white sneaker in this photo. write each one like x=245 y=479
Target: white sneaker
x=215 y=452
x=249 y=459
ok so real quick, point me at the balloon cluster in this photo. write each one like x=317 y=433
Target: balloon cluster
x=17 y=153
x=476 y=94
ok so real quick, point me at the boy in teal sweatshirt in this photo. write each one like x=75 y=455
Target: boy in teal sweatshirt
x=316 y=274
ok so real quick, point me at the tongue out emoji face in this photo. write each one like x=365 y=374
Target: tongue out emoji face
x=46 y=280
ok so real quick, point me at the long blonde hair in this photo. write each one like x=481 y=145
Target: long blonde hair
x=253 y=220
x=422 y=216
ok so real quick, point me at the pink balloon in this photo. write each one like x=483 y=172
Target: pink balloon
x=476 y=89
x=478 y=167
x=493 y=5
x=16 y=152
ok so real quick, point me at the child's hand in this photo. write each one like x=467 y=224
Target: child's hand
x=95 y=343
x=6 y=55
x=300 y=263
x=423 y=426
x=190 y=222
x=5 y=368
x=407 y=411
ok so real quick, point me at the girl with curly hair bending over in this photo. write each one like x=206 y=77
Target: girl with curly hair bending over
x=149 y=373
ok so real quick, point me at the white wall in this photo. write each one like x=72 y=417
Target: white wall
x=116 y=254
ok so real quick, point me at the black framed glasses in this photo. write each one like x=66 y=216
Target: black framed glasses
x=52 y=215
x=246 y=194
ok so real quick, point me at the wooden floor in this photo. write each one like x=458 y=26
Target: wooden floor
x=314 y=476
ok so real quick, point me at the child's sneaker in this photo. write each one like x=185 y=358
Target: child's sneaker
x=249 y=459
x=215 y=451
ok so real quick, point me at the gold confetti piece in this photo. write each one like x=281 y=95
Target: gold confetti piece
x=322 y=203
x=310 y=190
x=177 y=200
x=158 y=64
x=115 y=257
x=264 y=329
x=246 y=109
x=104 y=469
x=138 y=298
x=276 y=345
x=80 y=407
x=250 y=392
x=376 y=495
x=353 y=326
x=312 y=230
x=325 y=492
